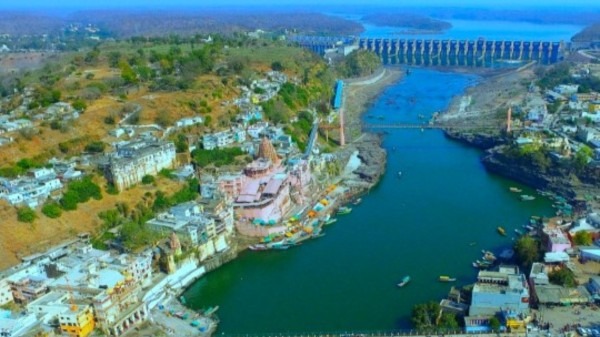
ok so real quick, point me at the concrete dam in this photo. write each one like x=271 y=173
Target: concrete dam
x=480 y=52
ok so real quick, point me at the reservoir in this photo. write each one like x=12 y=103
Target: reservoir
x=433 y=220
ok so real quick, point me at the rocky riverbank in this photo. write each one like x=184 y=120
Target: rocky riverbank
x=366 y=146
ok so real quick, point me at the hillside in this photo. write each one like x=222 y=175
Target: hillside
x=147 y=81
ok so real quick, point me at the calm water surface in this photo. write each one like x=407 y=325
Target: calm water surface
x=419 y=225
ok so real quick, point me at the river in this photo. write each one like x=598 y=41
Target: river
x=421 y=225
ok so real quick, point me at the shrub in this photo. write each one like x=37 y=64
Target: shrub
x=26 y=214
x=148 y=179
x=52 y=210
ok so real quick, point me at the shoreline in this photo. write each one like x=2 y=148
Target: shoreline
x=359 y=97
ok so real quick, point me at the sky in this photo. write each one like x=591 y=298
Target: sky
x=47 y=4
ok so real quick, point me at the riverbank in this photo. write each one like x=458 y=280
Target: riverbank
x=360 y=96
x=489 y=101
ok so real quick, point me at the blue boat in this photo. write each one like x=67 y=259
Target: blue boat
x=404 y=281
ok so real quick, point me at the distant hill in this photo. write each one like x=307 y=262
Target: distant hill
x=589 y=34
x=127 y=23
x=414 y=21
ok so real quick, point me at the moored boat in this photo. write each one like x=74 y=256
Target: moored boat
x=357 y=201
x=344 y=210
x=258 y=247
x=330 y=221
x=518 y=231
x=515 y=190
x=501 y=231
x=444 y=278
x=211 y=310
x=404 y=281
x=526 y=197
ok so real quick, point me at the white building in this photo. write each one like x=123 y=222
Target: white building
x=134 y=160
x=189 y=121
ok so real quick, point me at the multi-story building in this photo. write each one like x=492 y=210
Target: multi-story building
x=496 y=291
x=119 y=309
x=32 y=189
x=556 y=240
x=78 y=321
x=132 y=161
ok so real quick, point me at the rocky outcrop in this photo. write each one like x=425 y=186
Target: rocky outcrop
x=557 y=179
x=373 y=158
x=479 y=140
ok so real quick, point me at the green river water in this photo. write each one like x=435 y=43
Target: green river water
x=421 y=225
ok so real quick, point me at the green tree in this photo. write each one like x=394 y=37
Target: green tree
x=277 y=66
x=424 y=316
x=69 y=201
x=582 y=157
x=563 y=277
x=26 y=214
x=52 y=210
x=582 y=238
x=79 y=105
x=127 y=73
x=448 y=322
x=95 y=147
x=495 y=324
x=148 y=179
x=527 y=250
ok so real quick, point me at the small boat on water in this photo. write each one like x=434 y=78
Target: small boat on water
x=518 y=231
x=445 y=278
x=399 y=174
x=357 y=201
x=501 y=231
x=404 y=281
x=515 y=190
x=258 y=247
x=314 y=236
x=280 y=246
x=210 y=311
x=488 y=256
x=330 y=221
x=526 y=197
x=344 y=210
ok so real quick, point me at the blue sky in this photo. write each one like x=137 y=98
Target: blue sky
x=279 y=3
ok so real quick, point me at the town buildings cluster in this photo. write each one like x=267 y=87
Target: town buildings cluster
x=573 y=121
x=510 y=295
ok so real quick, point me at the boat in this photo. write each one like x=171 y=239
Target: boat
x=211 y=310
x=526 y=197
x=344 y=210
x=501 y=231
x=472 y=243
x=357 y=201
x=445 y=278
x=404 y=281
x=330 y=221
x=518 y=231
x=280 y=247
x=315 y=236
x=487 y=256
x=399 y=174
x=258 y=247
x=515 y=190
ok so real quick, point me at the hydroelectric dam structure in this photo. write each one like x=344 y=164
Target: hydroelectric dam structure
x=449 y=52
x=436 y=52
